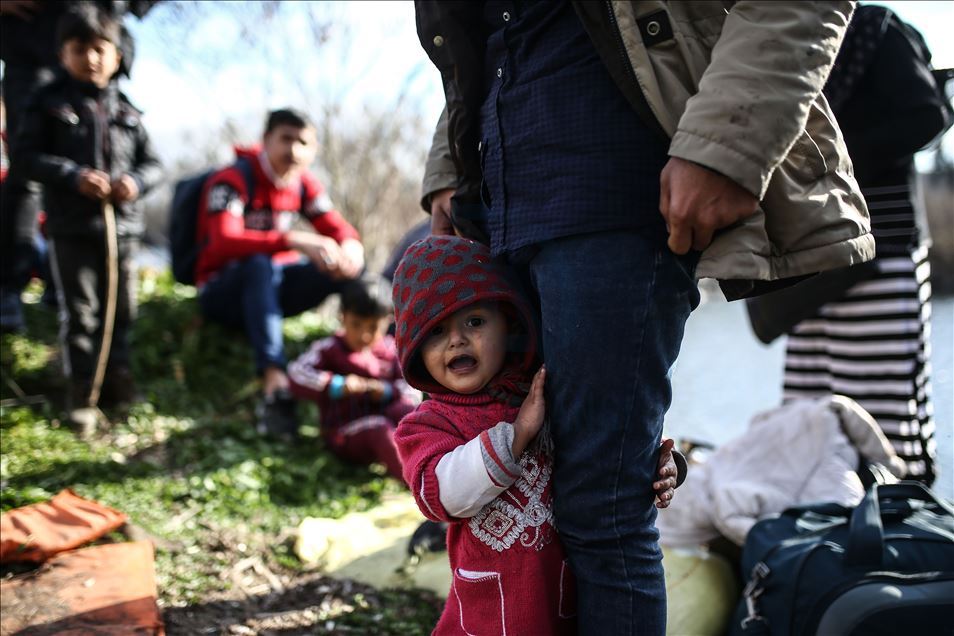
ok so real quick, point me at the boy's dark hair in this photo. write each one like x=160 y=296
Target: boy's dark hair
x=287 y=117
x=87 y=22
x=368 y=296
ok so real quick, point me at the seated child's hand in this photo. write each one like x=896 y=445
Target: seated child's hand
x=530 y=418
x=125 y=188
x=93 y=184
x=355 y=385
x=666 y=486
x=376 y=390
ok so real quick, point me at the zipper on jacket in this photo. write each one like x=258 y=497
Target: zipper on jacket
x=621 y=47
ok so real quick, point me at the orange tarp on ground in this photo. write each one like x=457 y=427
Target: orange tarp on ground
x=35 y=533
x=107 y=589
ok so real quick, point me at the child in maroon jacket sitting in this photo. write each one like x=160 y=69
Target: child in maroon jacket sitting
x=477 y=454
x=355 y=378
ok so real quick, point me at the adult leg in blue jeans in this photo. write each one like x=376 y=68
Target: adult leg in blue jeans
x=613 y=309
x=255 y=294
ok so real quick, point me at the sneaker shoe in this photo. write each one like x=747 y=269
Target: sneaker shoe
x=430 y=536
x=80 y=416
x=11 y=311
x=275 y=416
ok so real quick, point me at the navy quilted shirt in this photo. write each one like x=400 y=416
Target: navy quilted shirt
x=562 y=151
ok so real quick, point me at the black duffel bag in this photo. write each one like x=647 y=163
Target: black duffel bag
x=884 y=567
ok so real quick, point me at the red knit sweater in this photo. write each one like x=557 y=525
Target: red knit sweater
x=510 y=574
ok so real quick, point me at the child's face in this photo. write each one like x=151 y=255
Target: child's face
x=363 y=332
x=467 y=349
x=94 y=62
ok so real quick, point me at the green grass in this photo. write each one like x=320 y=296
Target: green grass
x=185 y=465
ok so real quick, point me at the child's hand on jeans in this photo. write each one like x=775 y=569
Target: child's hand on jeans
x=530 y=418
x=93 y=184
x=666 y=486
x=125 y=188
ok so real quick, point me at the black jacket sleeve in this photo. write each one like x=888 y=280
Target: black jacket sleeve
x=147 y=171
x=34 y=140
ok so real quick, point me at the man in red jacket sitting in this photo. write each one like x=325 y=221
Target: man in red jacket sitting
x=254 y=269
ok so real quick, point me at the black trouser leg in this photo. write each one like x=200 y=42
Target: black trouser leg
x=80 y=271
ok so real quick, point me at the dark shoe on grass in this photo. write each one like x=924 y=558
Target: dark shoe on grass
x=11 y=311
x=276 y=417
x=119 y=388
x=430 y=536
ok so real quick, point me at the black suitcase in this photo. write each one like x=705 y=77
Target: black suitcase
x=884 y=567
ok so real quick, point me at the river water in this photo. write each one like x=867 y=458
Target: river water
x=724 y=375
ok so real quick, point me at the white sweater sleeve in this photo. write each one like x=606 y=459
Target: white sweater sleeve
x=473 y=474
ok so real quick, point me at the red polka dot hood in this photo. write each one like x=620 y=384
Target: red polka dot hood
x=440 y=275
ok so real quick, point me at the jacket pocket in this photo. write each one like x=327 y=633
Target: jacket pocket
x=65 y=115
x=68 y=128
x=481 y=602
x=567 y=591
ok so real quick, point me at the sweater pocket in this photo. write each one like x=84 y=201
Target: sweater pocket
x=567 y=591
x=481 y=602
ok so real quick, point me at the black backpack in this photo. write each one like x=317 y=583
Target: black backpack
x=885 y=567
x=184 y=215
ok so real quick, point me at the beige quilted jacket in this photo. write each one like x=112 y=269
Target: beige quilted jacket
x=737 y=88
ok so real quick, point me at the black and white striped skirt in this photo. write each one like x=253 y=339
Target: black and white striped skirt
x=874 y=347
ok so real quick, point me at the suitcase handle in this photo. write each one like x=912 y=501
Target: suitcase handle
x=866 y=533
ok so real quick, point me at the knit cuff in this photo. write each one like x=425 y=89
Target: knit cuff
x=496 y=446
x=336 y=387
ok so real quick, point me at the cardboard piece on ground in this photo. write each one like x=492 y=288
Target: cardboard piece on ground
x=107 y=589
x=35 y=533
x=371 y=547
x=701 y=592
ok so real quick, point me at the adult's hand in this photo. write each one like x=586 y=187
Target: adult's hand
x=696 y=201
x=323 y=251
x=441 y=212
x=23 y=9
x=351 y=260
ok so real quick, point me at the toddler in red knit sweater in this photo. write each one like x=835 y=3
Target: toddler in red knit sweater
x=477 y=454
x=354 y=377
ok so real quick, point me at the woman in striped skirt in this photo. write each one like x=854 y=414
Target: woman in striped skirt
x=873 y=344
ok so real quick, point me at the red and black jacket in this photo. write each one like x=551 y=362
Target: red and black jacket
x=232 y=227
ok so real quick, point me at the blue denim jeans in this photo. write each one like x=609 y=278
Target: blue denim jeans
x=613 y=306
x=255 y=294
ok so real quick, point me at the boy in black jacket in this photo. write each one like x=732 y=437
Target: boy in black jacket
x=84 y=141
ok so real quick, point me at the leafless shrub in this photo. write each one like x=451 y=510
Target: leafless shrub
x=372 y=153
